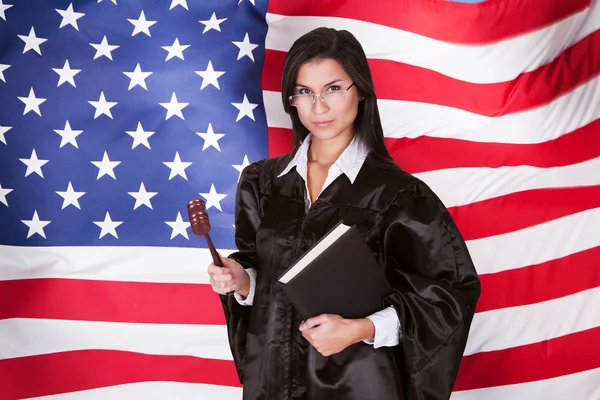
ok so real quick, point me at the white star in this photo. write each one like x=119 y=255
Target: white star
x=70 y=197
x=3 y=193
x=69 y=17
x=108 y=226
x=35 y=225
x=141 y=24
x=68 y=135
x=3 y=67
x=3 y=130
x=142 y=197
x=32 y=103
x=66 y=74
x=177 y=167
x=138 y=77
x=213 y=198
x=245 y=48
x=179 y=227
x=3 y=8
x=139 y=136
x=241 y=167
x=176 y=50
x=34 y=164
x=104 y=49
x=245 y=108
x=182 y=3
x=210 y=138
x=212 y=23
x=106 y=167
x=32 y=42
x=210 y=76
x=102 y=106
x=251 y=1
x=174 y=107
x=113 y=1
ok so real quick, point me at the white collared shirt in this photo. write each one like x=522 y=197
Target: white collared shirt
x=349 y=163
x=387 y=324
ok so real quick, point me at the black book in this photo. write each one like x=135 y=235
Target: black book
x=338 y=275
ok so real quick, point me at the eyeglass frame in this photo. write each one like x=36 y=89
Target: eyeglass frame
x=320 y=95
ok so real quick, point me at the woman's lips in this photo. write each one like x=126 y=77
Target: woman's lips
x=322 y=124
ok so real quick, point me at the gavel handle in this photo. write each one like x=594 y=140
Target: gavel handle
x=215 y=256
x=213 y=252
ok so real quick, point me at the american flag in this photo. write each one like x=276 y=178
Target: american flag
x=113 y=114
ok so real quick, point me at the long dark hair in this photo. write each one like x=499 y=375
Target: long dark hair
x=343 y=47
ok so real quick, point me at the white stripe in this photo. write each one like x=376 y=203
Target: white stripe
x=119 y=263
x=537 y=244
x=517 y=326
x=152 y=391
x=497 y=62
x=461 y=186
x=565 y=114
x=579 y=386
x=20 y=337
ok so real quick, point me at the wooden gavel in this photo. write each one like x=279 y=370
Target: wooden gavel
x=201 y=226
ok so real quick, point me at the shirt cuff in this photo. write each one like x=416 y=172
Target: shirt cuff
x=387 y=328
x=250 y=299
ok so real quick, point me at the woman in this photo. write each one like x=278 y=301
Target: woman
x=340 y=170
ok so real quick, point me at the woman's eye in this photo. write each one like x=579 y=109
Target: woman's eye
x=333 y=88
x=303 y=91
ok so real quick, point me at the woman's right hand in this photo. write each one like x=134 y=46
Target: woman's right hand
x=231 y=277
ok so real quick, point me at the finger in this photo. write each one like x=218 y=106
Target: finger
x=214 y=270
x=226 y=289
x=222 y=278
x=314 y=321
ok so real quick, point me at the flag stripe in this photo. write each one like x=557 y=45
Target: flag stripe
x=515 y=211
x=534 y=323
x=573 y=386
x=533 y=126
x=528 y=90
x=496 y=62
x=441 y=20
x=94 y=300
x=109 y=263
x=425 y=153
x=205 y=341
x=463 y=186
x=30 y=377
x=536 y=283
x=153 y=390
x=543 y=360
x=536 y=244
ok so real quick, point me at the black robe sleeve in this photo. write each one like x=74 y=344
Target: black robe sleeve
x=435 y=291
x=247 y=221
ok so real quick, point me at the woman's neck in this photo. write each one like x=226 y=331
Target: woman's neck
x=326 y=152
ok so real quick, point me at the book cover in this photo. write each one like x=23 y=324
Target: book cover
x=338 y=275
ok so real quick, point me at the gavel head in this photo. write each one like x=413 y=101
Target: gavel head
x=198 y=217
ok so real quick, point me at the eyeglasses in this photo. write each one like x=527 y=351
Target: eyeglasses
x=327 y=97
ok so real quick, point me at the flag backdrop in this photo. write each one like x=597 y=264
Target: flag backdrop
x=113 y=114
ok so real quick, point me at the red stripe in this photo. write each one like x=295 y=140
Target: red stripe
x=72 y=371
x=485 y=22
x=548 y=359
x=425 y=153
x=542 y=282
x=78 y=299
x=280 y=141
x=520 y=210
x=574 y=66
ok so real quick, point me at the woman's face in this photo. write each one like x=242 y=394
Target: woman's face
x=327 y=120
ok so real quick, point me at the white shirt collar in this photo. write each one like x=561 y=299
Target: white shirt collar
x=348 y=163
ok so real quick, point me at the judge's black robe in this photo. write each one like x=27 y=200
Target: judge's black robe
x=414 y=239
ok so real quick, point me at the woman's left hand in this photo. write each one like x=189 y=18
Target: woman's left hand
x=329 y=334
